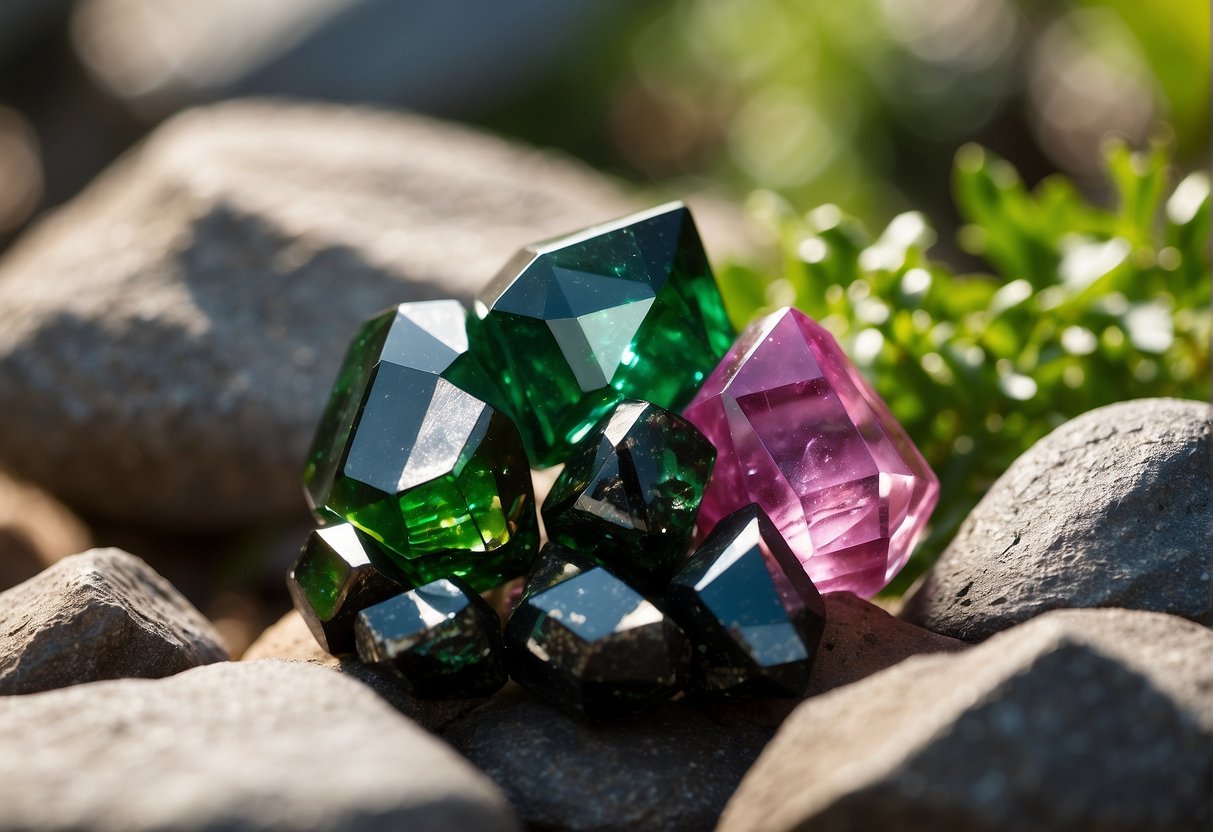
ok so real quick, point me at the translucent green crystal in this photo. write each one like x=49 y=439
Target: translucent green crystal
x=338 y=573
x=628 y=309
x=409 y=452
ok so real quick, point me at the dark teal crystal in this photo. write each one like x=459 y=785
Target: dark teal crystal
x=752 y=613
x=630 y=491
x=583 y=640
x=442 y=640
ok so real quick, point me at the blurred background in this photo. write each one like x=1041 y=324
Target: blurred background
x=861 y=104
x=1000 y=207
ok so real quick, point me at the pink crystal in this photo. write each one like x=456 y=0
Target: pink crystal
x=799 y=431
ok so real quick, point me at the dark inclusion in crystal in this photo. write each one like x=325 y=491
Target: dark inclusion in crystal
x=583 y=640
x=410 y=453
x=442 y=640
x=338 y=573
x=629 y=493
x=752 y=613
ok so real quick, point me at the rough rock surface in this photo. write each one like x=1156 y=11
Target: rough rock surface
x=35 y=531
x=168 y=338
x=861 y=639
x=259 y=745
x=1079 y=719
x=671 y=768
x=1112 y=509
x=289 y=639
x=103 y=614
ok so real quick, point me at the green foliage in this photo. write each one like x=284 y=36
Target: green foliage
x=1086 y=306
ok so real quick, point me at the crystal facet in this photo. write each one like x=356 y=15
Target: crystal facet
x=442 y=640
x=626 y=309
x=629 y=493
x=801 y=433
x=338 y=573
x=408 y=455
x=754 y=617
x=583 y=640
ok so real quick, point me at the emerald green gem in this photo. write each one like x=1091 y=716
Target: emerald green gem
x=629 y=493
x=625 y=310
x=409 y=452
x=338 y=573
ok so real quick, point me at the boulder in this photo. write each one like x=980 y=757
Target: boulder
x=103 y=614
x=860 y=639
x=169 y=337
x=671 y=768
x=290 y=640
x=1079 y=719
x=257 y=745
x=1112 y=509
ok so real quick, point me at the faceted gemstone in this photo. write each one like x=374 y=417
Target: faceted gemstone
x=753 y=616
x=442 y=639
x=583 y=640
x=626 y=309
x=801 y=433
x=338 y=573
x=629 y=493
x=412 y=458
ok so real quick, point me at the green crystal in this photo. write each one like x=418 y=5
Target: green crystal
x=338 y=573
x=625 y=310
x=630 y=491
x=410 y=453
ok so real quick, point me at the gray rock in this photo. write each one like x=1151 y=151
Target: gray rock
x=35 y=531
x=1112 y=509
x=671 y=768
x=168 y=339
x=1077 y=720
x=861 y=639
x=232 y=746
x=103 y=614
x=290 y=640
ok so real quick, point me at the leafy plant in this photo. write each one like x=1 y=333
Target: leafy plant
x=1085 y=306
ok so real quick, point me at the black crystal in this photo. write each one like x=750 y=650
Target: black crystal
x=339 y=572
x=630 y=492
x=442 y=640
x=585 y=641
x=752 y=613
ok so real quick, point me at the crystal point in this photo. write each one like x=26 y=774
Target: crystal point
x=801 y=433
x=753 y=615
x=626 y=309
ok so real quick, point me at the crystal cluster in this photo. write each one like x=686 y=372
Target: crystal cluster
x=785 y=468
